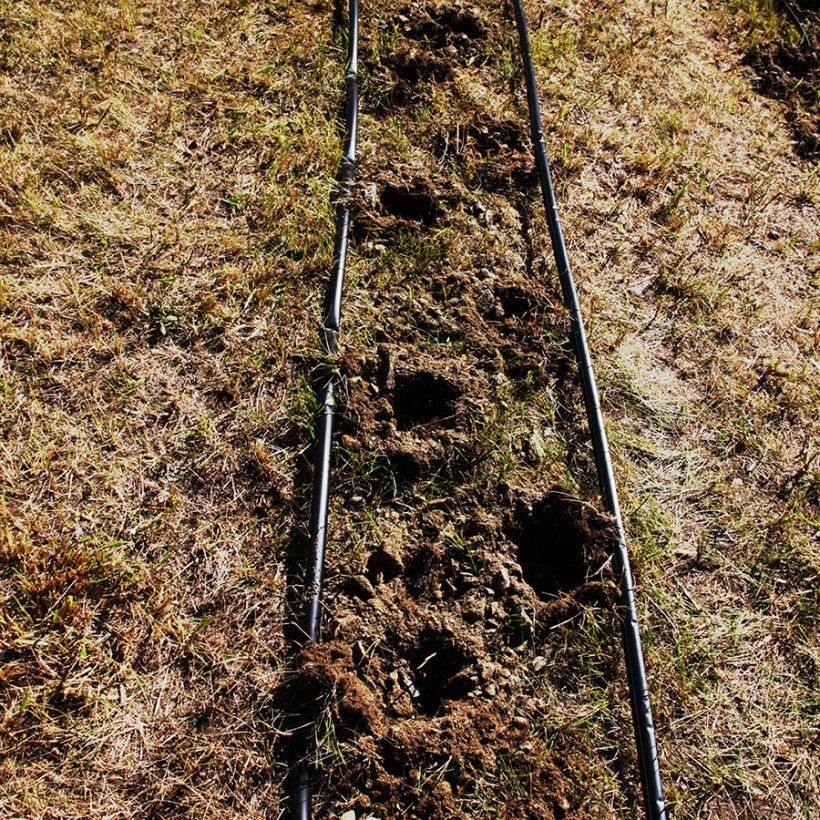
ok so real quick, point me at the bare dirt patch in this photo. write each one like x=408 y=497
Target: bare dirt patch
x=425 y=658
x=789 y=70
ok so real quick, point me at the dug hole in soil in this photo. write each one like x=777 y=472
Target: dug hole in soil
x=431 y=671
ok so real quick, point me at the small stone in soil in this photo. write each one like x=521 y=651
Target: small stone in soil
x=485 y=300
x=501 y=580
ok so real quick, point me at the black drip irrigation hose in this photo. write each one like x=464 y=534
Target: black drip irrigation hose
x=790 y=10
x=325 y=391
x=636 y=672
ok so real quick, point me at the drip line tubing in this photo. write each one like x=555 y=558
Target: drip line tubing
x=326 y=385
x=636 y=671
x=795 y=18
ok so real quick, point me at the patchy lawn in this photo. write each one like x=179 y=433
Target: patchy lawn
x=166 y=229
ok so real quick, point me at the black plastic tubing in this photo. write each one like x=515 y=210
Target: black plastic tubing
x=790 y=10
x=330 y=335
x=326 y=389
x=636 y=672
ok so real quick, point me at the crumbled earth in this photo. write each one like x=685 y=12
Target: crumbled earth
x=438 y=629
x=789 y=69
x=427 y=673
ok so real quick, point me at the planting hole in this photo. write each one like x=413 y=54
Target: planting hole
x=443 y=25
x=553 y=546
x=383 y=566
x=441 y=671
x=516 y=302
x=461 y=21
x=423 y=398
x=415 y=205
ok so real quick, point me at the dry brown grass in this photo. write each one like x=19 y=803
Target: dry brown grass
x=165 y=229
x=164 y=180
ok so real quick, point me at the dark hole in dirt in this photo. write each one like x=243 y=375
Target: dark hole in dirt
x=444 y=22
x=791 y=72
x=462 y=21
x=68 y=702
x=415 y=205
x=423 y=398
x=441 y=671
x=383 y=566
x=516 y=302
x=425 y=570
x=405 y=466
x=204 y=718
x=554 y=544
x=410 y=74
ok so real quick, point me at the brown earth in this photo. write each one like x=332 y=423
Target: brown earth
x=789 y=70
x=421 y=675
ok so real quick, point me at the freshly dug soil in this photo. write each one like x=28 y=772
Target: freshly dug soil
x=790 y=71
x=427 y=672
x=433 y=693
